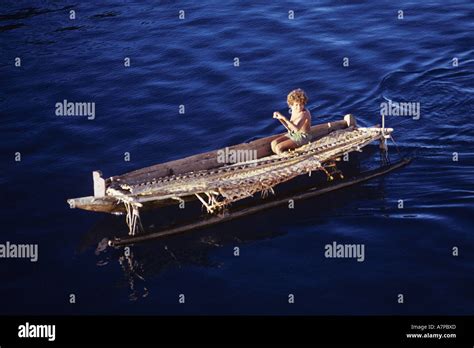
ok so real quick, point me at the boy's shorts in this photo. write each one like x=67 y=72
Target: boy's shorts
x=299 y=138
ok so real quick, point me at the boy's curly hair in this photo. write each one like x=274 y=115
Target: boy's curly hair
x=297 y=96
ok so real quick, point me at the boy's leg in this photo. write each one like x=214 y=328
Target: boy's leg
x=285 y=145
x=276 y=141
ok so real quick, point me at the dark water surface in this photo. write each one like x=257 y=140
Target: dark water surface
x=190 y=62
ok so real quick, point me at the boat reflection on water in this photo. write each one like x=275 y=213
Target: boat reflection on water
x=134 y=273
x=148 y=259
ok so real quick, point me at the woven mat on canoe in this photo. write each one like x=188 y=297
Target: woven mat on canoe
x=233 y=182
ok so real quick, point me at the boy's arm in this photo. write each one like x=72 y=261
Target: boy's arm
x=290 y=125
x=302 y=122
x=287 y=123
x=299 y=125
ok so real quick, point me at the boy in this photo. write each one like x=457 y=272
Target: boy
x=298 y=126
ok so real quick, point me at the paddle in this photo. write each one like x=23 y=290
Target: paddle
x=282 y=122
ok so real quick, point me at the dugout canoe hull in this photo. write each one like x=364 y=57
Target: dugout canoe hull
x=202 y=161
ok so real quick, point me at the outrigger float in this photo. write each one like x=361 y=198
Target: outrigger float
x=217 y=185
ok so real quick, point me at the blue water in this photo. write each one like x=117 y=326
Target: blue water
x=190 y=62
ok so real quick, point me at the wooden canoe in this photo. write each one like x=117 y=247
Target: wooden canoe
x=101 y=202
